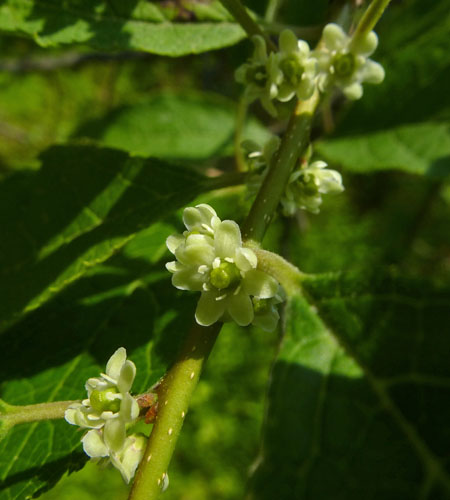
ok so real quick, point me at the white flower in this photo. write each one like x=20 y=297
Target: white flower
x=108 y=411
x=257 y=76
x=222 y=269
x=108 y=395
x=345 y=65
x=296 y=68
x=306 y=186
x=123 y=452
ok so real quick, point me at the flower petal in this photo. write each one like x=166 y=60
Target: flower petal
x=259 y=284
x=240 y=308
x=114 y=434
x=245 y=259
x=126 y=377
x=367 y=45
x=115 y=363
x=93 y=444
x=334 y=36
x=129 y=408
x=174 y=241
x=227 y=239
x=188 y=279
x=288 y=42
x=128 y=459
x=372 y=72
x=209 y=310
x=353 y=91
x=195 y=217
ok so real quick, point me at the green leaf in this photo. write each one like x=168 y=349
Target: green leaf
x=190 y=126
x=119 y=25
x=53 y=351
x=421 y=148
x=77 y=211
x=359 y=395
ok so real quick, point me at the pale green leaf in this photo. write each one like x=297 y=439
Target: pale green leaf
x=119 y=25
x=421 y=148
x=191 y=126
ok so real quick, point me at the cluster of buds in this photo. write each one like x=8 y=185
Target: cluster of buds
x=108 y=411
x=212 y=260
x=295 y=70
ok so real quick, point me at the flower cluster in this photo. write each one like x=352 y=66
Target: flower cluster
x=108 y=411
x=346 y=65
x=306 y=184
x=279 y=75
x=211 y=260
x=295 y=70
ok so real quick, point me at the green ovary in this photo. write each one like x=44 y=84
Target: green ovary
x=257 y=74
x=292 y=70
x=224 y=276
x=344 y=65
x=260 y=305
x=100 y=401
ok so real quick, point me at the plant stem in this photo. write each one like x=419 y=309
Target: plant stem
x=174 y=395
x=238 y=11
x=13 y=415
x=369 y=20
x=272 y=9
x=283 y=271
x=294 y=143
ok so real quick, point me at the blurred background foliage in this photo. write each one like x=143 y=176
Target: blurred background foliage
x=384 y=218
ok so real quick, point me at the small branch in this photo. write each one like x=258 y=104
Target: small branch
x=241 y=113
x=369 y=20
x=241 y=15
x=294 y=143
x=174 y=395
x=272 y=9
x=283 y=271
x=13 y=415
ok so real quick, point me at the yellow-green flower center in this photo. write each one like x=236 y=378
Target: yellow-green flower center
x=257 y=74
x=101 y=402
x=260 y=305
x=344 y=65
x=292 y=70
x=224 y=276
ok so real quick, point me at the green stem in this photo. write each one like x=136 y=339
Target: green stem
x=13 y=415
x=238 y=11
x=241 y=165
x=369 y=20
x=284 y=272
x=272 y=9
x=294 y=143
x=174 y=395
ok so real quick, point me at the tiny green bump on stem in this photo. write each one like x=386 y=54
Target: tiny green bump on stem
x=13 y=415
x=240 y=14
x=369 y=20
x=293 y=145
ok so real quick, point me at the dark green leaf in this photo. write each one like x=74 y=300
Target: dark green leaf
x=120 y=25
x=358 y=402
x=69 y=339
x=76 y=212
